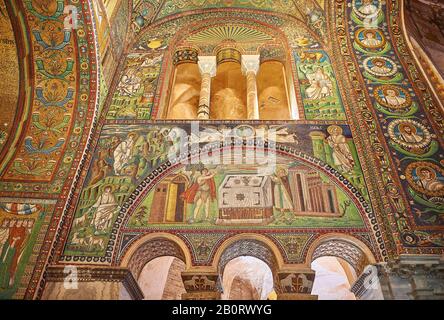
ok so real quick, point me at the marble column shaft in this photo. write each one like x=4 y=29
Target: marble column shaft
x=250 y=68
x=207 y=67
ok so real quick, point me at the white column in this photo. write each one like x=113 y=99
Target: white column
x=207 y=67
x=250 y=68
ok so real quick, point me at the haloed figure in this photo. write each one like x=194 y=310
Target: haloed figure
x=409 y=133
x=370 y=39
x=393 y=98
x=105 y=207
x=428 y=180
x=368 y=7
x=342 y=155
x=321 y=85
x=12 y=250
x=282 y=191
x=379 y=66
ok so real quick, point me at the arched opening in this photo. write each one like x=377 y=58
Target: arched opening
x=156 y=262
x=248 y=268
x=338 y=261
x=153 y=246
x=229 y=93
x=334 y=278
x=185 y=92
x=160 y=279
x=240 y=69
x=247 y=278
x=228 y=88
x=273 y=92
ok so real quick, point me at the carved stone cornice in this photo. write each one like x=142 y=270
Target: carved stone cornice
x=93 y=274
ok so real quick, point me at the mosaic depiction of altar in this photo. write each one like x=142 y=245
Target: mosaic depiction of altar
x=239 y=195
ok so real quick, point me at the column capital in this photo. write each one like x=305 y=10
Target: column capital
x=296 y=285
x=250 y=63
x=207 y=65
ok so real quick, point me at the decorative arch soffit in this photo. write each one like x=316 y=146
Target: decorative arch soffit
x=297 y=8
x=409 y=210
x=248 y=247
x=277 y=37
x=288 y=25
x=58 y=112
x=152 y=249
x=162 y=171
x=61 y=103
x=346 y=247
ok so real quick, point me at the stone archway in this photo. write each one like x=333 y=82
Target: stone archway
x=248 y=247
x=153 y=246
x=334 y=278
x=247 y=278
x=161 y=279
x=160 y=253
x=338 y=260
x=262 y=248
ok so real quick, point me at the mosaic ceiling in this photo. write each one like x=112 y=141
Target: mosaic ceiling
x=146 y=11
x=177 y=6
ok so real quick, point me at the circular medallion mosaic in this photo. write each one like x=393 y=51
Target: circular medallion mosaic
x=426 y=178
x=393 y=97
x=410 y=135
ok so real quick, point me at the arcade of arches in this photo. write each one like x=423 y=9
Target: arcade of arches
x=237 y=150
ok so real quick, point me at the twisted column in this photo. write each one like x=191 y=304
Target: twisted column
x=250 y=68
x=207 y=68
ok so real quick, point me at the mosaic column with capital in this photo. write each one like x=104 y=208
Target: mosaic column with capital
x=207 y=67
x=250 y=68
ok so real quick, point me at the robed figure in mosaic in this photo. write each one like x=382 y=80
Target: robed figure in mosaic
x=16 y=232
x=201 y=193
x=105 y=207
x=342 y=155
x=282 y=191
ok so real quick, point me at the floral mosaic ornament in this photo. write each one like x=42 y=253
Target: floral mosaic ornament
x=64 y=101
